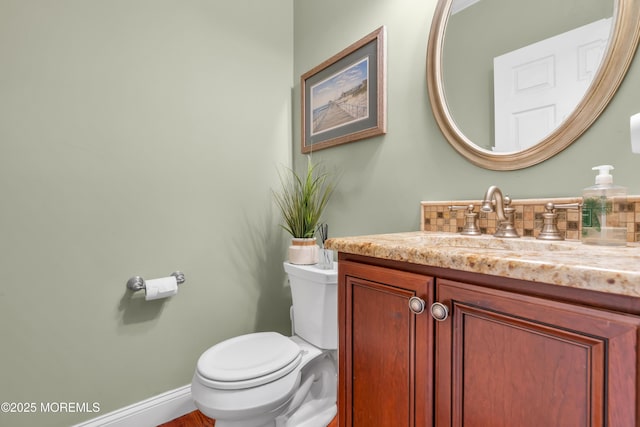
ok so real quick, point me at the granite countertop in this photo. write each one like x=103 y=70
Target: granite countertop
x=566 y=263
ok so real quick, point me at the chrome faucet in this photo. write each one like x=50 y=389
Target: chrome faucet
x=470 y=220
x=550 y=226
x=503 y=210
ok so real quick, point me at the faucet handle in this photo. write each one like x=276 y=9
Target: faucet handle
x=550 y=225
x=470 y=227
x=507 y=203
x=461 y=207
x=550 y=207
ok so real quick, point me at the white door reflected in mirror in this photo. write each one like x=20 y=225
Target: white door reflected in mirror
x=536 y=87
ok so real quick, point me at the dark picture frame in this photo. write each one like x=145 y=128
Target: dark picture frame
x=344 y=98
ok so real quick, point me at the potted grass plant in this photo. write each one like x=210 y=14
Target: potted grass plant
x=301 y=200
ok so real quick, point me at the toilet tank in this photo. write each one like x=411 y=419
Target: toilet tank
x=315 y=304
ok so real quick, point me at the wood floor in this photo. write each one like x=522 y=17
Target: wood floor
x=197 y=419
x=192 y=419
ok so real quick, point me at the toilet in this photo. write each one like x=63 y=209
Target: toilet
x=266 y=379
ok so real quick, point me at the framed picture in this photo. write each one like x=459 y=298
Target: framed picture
x=344 y=98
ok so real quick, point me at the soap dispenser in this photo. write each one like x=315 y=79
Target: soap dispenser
x=603 y=211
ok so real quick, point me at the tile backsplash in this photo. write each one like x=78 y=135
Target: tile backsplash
x=436 y=216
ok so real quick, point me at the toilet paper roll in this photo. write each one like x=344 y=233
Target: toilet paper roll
x=160 y=288
x=635 y=133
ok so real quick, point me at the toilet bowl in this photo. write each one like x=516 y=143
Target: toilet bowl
x=266 y=379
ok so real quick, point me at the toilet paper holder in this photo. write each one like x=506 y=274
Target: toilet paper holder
x=136 y=283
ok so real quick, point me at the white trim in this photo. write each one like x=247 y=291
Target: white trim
x=150 y=412
x=459 y=5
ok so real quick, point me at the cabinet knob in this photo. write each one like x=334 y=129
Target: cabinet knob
x=439 y=311
x=416 y=305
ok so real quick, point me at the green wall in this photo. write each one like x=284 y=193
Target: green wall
x=383 y=179
x=137 y=137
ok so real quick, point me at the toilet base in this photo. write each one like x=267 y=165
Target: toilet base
x=312 y=404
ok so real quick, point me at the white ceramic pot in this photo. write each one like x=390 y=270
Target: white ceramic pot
x=303 y=251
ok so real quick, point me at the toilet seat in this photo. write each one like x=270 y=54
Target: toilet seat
x=248 y=361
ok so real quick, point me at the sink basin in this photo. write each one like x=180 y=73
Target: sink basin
x=523 y=244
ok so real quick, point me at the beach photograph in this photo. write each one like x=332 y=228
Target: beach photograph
x=341 y=99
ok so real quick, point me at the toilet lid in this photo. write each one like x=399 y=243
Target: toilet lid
x=249 y=359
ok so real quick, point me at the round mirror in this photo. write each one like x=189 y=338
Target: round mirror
x=511 y=92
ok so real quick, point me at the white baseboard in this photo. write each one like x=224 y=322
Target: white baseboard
x=148 y=413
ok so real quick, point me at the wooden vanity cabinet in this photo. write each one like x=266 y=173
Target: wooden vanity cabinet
x=385 y=350
x=502 y=357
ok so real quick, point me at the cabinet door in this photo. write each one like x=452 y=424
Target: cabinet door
x=505 y=360
x=386 y=351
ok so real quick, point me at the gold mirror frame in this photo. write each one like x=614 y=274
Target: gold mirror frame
x=615 y=63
